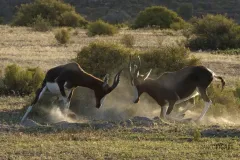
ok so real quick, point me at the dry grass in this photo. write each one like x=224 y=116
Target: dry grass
x=26 y=47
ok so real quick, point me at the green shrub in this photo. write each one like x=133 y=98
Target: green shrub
x=100 y=58
x=214 y=32
x=179 y=25
x=62 y=35
x=128 y=40
x=72 y=19
x=157 y=16
x=56 y=12
x=22 y=81
x=101 y=28
x=167 y=58
x=41 y=24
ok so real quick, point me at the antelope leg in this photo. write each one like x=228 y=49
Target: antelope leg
x=26 y=114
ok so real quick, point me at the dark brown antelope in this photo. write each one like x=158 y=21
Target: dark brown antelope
x=172 y=88
x=62 y=80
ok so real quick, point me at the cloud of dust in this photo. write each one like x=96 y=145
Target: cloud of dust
x=119 y=105
x=223 y=119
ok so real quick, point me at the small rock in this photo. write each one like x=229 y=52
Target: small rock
x=68 y=125
x=140 y=130
x=127 y=123
x=105 y=125
x=142 y=121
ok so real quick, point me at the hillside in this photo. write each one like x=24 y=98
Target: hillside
x=126 y=10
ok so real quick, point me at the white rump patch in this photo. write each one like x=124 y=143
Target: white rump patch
x=54 y=88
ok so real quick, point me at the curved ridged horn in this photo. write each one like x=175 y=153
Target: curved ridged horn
x=116 y=81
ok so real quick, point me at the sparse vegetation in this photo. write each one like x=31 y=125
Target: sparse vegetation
x=41 y=24
x=19 y=81
x=101 y=28
x=214 y=32
x=55 y=12
x=128 y=40
x=157 y=16
x=62 y=35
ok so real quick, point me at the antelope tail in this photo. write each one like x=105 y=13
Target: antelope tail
x=222 y=80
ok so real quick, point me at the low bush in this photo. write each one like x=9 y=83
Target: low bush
x=100 y=58
x=128 y=40
x=168 y=58
x=55 y=12
x=157 y=16
x=62 y=35
x=21 y=81
x=214 y=32
x=101 y=28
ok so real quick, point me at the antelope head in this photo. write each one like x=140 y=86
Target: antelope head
x=105 y=89
x=137 y=79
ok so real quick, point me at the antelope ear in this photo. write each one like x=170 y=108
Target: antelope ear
x=105 y=79
x=148 y=74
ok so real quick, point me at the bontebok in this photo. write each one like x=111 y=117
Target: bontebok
x=172 y=88
x=62 y=80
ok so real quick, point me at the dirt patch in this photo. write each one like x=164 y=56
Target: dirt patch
x=217 y=132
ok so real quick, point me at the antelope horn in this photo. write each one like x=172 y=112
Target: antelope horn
x=130 y=70
x=116 y=80
x=148 y=74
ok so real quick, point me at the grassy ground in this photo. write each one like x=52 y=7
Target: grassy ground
x=164 y=141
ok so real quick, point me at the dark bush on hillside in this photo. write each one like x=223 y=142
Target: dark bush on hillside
x=41 y=25
x=168 y=58
x=214 y=32
x=157 y=16
x=185 y=11
x=100 y=58
x=56 y=12
x=21 y=81
x=1 y=20
x=101 y=28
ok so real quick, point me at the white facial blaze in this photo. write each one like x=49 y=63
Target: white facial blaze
x=135 y=94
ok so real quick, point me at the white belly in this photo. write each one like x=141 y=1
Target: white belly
x=54 y=88
x=194 y=94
